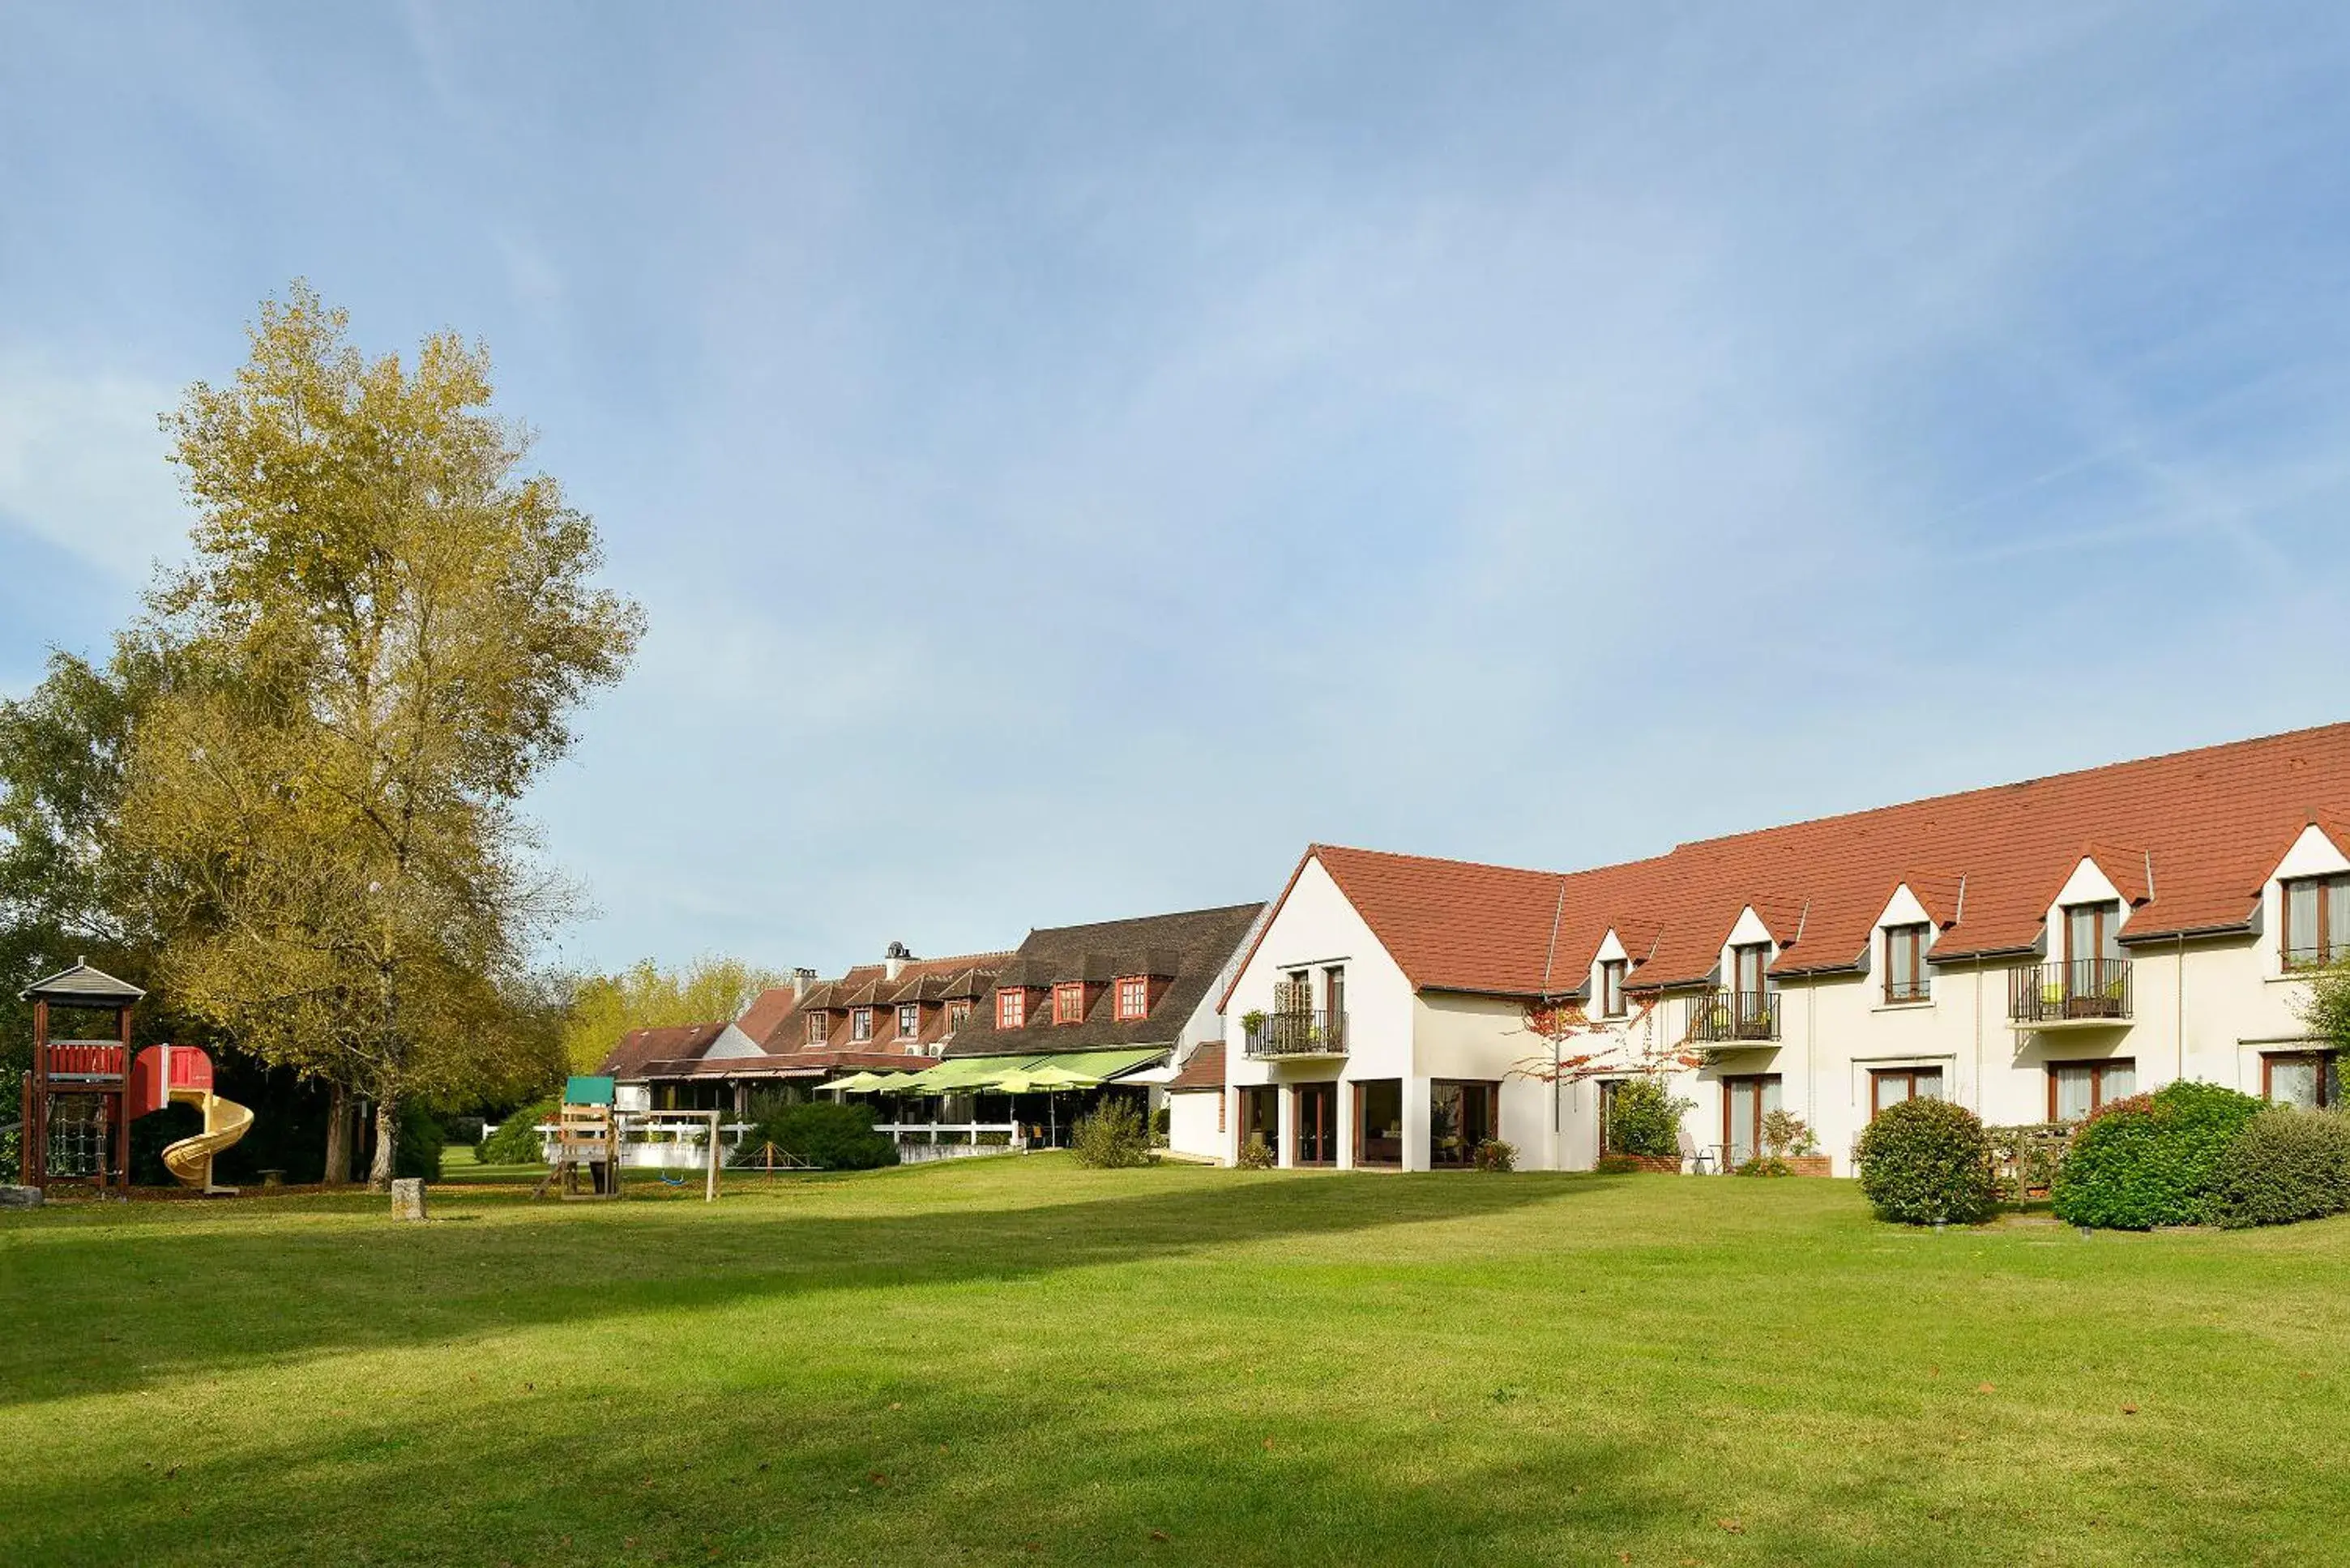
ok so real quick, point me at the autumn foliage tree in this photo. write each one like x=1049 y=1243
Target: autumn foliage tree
x=379 y=645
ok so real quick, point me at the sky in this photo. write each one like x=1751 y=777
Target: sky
x=1074 y=456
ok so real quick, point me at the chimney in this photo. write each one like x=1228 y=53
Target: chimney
x=803 y=982
x=895 y=960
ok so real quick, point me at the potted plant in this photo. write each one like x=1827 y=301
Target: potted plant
x=1789 y=1141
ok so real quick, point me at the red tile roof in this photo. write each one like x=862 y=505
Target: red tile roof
x=2188 y=840
x=640 y=1046
x=1205 y=1070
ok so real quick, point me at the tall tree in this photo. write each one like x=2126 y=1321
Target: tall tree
x=379 y=643
x=604 y=1007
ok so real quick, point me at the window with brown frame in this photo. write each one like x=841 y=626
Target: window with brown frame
x=2316 y=920
x=958 y=1014
x=1378 y=1122
x=1905 y=963
x=2309 y=1079
x=1069 y=1002
x=1314 y=1125
x=1611 y=987
x=860 y=1023
x=1891 y=1086
x=1461 y=1115
x=1133 y=999
x=909 y=1020
x=1011 y=1008
x=820 y=1029
x=1746 y=1099
x=2077 y=1090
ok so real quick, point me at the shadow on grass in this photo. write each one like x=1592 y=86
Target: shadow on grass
x=257 y=1291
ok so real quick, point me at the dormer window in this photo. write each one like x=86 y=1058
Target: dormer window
x=1904 y=962
x=860 y=1023
x=1011 y=1010
x=909 y=1020
x=1611 y=987
x=819 y=1028
x=2316 y=921
x=958 y=1014
x=1069 y=1002
x=1133 y=998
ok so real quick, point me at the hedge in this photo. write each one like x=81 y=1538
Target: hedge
x=829 y=1136
x=2285 y=1165
x=1924 y=1161
x=2151 y=1159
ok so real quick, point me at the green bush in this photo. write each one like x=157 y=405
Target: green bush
x=1764 y=1164
x=1493 y=1154
x=1255 y=1155
x=2150 y=1159
x=1113 y=1138
x=2285 y=1165
x=516 y=1141
x=1926 y=1160
x=1616 y=1165
x=1642 y=1118
x=826 y=1135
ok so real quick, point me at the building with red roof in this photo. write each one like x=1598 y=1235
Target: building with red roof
x=2031 y=949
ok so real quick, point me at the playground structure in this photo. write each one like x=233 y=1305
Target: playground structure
x=589 y=1131
x=81 y=1095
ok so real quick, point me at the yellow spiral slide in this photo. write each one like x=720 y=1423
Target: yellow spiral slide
x=191 y=1158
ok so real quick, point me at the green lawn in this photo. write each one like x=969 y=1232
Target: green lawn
x=1017 y=1361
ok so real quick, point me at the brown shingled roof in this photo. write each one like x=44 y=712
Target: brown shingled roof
x=1205 y=1070
x=2188 y=840
x=677 y=1043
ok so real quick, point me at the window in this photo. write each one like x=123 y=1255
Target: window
x=1747 y=965
x=819 y=1028
x=860 y=1023
x=1378 y=1122
x=958 y=1014
x=1011 y=1008
x=1260 y=1116
x=1069 y=1002
x=1133 y=998
x=2316 y=920
x=909 y=1020
x=1313 y=1127
x=1891 y=1086
x=2079 y=1089
x=2309 y=1079
x=1461 y=1115
x=1333 y=1004
x=1905 y=963
x=1611 y=987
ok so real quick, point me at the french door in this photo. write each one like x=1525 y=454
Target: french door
x=1746 y=1099
x=1316 y=1141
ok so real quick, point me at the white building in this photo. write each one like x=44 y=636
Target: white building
x=2029 y=950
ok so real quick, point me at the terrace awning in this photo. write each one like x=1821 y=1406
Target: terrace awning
x=858 y=1083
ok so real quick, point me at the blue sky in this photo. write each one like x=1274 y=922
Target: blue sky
x=1073 y=456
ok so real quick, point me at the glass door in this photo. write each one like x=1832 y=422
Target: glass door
x=1745 y=1101
x=1318 y=1125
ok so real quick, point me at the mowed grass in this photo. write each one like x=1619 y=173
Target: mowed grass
x=1019 y=1361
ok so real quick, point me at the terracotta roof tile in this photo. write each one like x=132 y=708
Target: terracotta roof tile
x=683 y=1041
x=2188 y=838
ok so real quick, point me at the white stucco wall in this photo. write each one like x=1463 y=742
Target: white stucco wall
x=1191 y=1126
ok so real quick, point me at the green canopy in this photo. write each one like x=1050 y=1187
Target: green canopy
x=856 y=1083
x=1100 y=1066
x=965 y=1074
x=1052 y=1078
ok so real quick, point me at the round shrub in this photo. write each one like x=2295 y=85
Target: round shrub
x=1494 y=1154
x=828 y=1134
x=1642 y=1118
x=1926 y=1160
x=2285 y=1165
x=2150 y=1159
x=516 y=1141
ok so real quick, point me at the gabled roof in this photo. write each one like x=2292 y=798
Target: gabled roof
x=2188 y=838
x=1185 y=952
x=1205 y=1070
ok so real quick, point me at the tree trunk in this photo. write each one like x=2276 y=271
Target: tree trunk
x=387 y=1144
x=338 y=1135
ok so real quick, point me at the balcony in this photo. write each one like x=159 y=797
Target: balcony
x=1279 y=1036
x=2084 y=991
x=1734 y=1018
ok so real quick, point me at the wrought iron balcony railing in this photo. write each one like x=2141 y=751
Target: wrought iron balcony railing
x=1733 y=1017
x=1314 y=1033
x=2082 y=991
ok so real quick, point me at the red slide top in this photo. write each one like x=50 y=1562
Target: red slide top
x=190 y=1069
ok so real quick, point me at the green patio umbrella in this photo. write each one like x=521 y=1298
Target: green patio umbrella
x=857 y=1082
